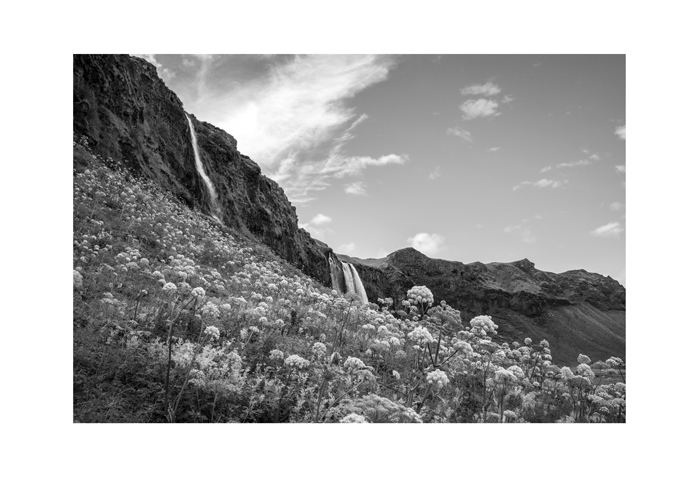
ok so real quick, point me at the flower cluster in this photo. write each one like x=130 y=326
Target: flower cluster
x=354 y=364
x=150 y=286
x=421 y=336
x=420 y=295
x=352 y=417
x=318 y=349
x=438 y=377
x=296 y=361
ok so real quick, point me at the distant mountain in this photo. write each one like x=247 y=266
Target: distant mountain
x=576 y=310
x=126 y=113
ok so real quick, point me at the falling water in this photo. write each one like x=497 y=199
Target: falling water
x=336 y=274
x=213 y=204
x=349 y=280
x=345 y=279
x=359 y=287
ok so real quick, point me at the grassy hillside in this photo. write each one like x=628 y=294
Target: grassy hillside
x=177 y=318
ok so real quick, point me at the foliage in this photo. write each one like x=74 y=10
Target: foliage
x=177 y=318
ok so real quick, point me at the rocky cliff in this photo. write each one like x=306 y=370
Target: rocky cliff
x=128 y=114
x=576 y=310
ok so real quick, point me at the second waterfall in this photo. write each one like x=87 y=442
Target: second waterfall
x=345 y=279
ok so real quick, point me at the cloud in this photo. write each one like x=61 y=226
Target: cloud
x=507 y=99
x=321 y=219
x=301 y=178
x=590 y=158
x=292 y=118
x=610 y=230
x=620 y=168
x=382 y=253
x=621 y=132
x=316 y=226
x=163 y=72
x=488 y=89
x=358 y=188
x=435 y=173
x=475 y=108
x=616 y=206
x=495 y=148
x=543 y=183
x=346 y=248
x=299 y=103
x=426 y=243
x=574 y=163
x=460 y=132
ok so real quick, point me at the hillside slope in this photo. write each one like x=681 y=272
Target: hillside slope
x=126 y=113
x=576 y=310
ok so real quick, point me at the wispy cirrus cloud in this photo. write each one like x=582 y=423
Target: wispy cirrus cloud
x=482 y=107
x=293 y=118
x=358 y=188
x=610 y=230
x=543 y=183
x=621 y=132
x=427 y=243
x=301 y=178
x=591 y=157
x=461 y=133
x=487 y=89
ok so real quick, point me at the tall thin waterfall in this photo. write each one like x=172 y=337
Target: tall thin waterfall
x=359 y=287
x=213 y=203
x=345 y=279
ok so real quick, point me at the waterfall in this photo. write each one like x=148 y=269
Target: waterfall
x=336 y=274
x=359 y=287
x=345 y=279
x=213 y=204
x=349 y=281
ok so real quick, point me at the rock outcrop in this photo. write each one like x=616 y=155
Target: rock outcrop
x=127 y=113
x=577 y=310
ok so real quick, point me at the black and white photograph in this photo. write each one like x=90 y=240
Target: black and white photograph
x=382 y=239
x=349 y=238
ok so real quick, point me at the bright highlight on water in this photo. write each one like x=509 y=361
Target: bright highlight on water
x=345 y=279
x=213 y=203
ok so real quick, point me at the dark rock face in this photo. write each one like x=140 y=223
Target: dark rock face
x=576 y=311
x=127 y=113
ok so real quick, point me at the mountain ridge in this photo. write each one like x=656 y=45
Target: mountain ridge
x=578 y=310
x=127 y=113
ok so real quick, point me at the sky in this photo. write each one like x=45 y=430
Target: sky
x=464 y=157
